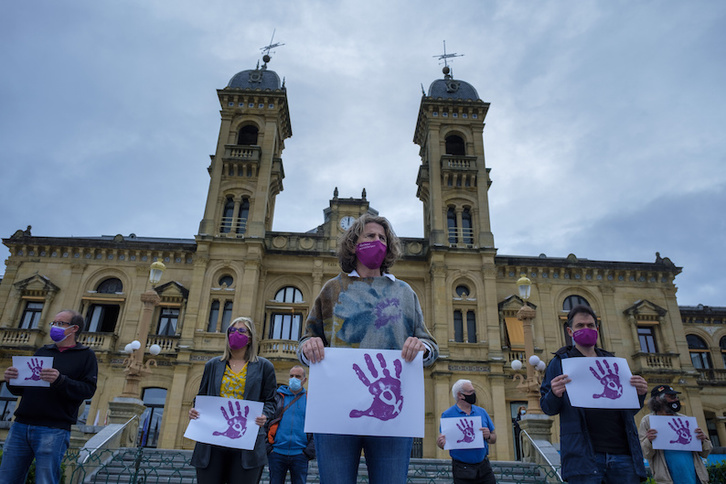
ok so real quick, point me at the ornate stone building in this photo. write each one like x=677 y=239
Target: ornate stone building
x=236 y=265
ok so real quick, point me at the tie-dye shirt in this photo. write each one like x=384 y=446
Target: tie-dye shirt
x=370 y=312
x=233 y=384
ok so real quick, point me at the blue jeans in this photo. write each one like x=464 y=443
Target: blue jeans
x=611 y=469
x=280 y=463
x=24 y=442
x=339 y=455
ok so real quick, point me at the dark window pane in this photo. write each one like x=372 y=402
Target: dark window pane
x=213 y=316
x=458 y=327
x=455 y=146
x=101 y=318
x=470 y=327
x=451 y=224
x=244 y=212
x=167 y=321
x=226 y=315
x=31 y=315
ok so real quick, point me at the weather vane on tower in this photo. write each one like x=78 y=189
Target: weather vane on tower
x=266 y=50
x=446 y=56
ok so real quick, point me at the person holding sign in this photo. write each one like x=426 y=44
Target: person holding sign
x=596 y=445
x=665 y=463
x=469 y=466
x=242 y=375
x=366 y=307
x=43 y=419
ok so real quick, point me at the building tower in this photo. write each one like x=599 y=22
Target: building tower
x=246 y=171
x=453 y=179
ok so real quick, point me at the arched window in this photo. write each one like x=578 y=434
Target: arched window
x=467 y=231
x=285 y=321
x=110 y=286
x=244 y=213
x=698 y=349
x=572 y=301
x=464 y=315
x=289 y=294
x=455 y=146
x=226 y=280
x=247 y=135
x=227 y=216
x=451 y=224
x=722 y=345
x=101 y=317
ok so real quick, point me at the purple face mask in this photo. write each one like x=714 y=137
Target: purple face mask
x=371 y=254
x=585 y=337
x=57 y=334
x=238 y=340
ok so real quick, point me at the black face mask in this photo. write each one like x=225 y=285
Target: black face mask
x=675 y=405
x=470 y=399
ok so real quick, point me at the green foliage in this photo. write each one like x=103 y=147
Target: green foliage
x=717 y=473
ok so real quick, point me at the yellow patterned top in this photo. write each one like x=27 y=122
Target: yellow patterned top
x=233 y=384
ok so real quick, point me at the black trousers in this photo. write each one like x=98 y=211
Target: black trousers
x=480 y=473
x=225 y=467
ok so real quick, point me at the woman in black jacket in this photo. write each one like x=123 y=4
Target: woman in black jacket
x=243 y=375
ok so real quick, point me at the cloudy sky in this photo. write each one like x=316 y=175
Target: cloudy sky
x=605 y=134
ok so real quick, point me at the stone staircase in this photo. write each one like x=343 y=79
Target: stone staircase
x=152 y=466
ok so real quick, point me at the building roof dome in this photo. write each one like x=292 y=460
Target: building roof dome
x=450 y=88
x=259 y=78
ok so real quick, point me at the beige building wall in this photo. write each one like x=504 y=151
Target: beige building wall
x=453 y=271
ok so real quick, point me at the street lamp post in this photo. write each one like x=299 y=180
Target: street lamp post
x=136 y=369
x=535 y=366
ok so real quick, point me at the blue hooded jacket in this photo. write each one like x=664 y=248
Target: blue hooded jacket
x=576 y=449
x=291 y=438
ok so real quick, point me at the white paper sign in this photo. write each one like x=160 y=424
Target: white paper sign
x=366 y=392
x=29 y=370
x=462 y=432
x=675 y=433
x=226 y=422
x=600 y=383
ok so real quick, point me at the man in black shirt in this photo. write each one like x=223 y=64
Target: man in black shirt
x=43 y=419
x=596 y=445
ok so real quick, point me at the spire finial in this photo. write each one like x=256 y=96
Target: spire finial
x=266 y=50
x=447 y=70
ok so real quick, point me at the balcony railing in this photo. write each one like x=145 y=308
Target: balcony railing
x=279 y=348
x=458 y=162
x=712 y=377
x=21 y=338
x=240 y=152
x=168 y=343
x=99 y=342
x=656 y=361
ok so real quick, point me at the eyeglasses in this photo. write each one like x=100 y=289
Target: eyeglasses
x=60 y=323
x=237 y=330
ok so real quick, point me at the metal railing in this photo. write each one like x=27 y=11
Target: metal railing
x=542 y=453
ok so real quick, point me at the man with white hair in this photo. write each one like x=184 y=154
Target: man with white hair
x=470 y=466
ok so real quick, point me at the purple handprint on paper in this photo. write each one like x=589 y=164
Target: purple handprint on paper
x=237 y=423
x=682 y=430
x=610 y=380
x=386 y=391
x=467 y=428
x=35 y=366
